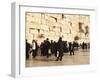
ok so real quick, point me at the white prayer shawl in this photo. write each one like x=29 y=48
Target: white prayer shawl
x=57 y=54
x=33 y=45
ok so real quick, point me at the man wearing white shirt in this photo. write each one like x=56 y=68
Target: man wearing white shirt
x=34 y=48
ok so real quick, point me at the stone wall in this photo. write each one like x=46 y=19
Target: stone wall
x=40 y=26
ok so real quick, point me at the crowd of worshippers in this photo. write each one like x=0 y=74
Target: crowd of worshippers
x=48 y=48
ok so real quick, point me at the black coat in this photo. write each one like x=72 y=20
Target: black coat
x=71 y=47
x=36 y=46
x=27 y=47
x=60 y=46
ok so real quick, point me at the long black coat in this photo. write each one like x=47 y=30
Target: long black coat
x=71 y=47
x=60 y=46
x=27 y=47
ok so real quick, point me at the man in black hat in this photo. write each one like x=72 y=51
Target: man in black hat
x=60 y=46
x=47 y=47
x=34 y=48
x=27 y=49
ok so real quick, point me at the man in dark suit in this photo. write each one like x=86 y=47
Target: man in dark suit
x=71 y=48
x=55 y=48
x=27 y=49
x=60 y=47
x=83 y=46
x=47 y=47
x=34 y=48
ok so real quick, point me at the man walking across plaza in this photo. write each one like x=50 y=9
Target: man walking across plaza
x=60 y=46
x=34 y=48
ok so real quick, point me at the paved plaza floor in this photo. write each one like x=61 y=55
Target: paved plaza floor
x=80 y=58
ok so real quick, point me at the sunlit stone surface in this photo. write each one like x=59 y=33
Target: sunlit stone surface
x=80 y=58
x=40 y=26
